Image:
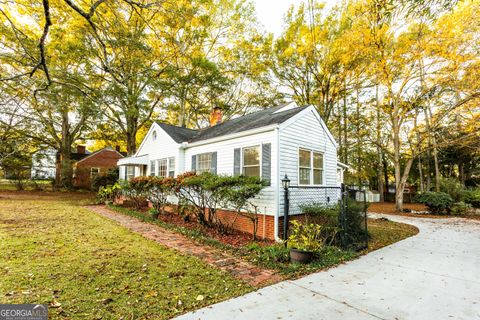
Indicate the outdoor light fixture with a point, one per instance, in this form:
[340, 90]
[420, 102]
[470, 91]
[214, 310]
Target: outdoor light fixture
[286, 182]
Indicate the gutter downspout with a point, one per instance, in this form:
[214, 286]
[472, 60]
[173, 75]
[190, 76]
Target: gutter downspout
[277, 191]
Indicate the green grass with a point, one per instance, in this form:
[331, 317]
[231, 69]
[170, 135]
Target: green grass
[86, 267]
[382, 233]
[385, 232]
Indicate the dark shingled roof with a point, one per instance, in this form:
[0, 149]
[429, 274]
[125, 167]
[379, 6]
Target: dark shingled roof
[179, 134]
[250, 121]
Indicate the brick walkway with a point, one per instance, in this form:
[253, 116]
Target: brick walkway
[247, 272]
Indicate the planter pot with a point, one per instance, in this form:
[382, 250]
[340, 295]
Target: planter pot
[301, 256]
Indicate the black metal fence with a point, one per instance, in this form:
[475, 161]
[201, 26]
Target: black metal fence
[351, 204]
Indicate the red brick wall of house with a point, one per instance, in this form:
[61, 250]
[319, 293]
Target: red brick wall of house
[244, 224]
[105, 159]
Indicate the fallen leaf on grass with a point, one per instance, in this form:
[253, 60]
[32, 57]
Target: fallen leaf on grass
[54, 304]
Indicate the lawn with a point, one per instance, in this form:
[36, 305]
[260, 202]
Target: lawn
[86, 267]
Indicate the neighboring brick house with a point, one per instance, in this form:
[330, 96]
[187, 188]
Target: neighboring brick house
[97, 163]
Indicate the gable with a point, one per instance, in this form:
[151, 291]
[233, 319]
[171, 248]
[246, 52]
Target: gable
[312, 113]
[155, 138]
[105, 158]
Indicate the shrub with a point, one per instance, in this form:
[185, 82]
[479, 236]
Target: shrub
[239, 194]
[437, 202]
[459, 208]
[107, 179]
[206, 192]
[199, 195]
[305, 237]
[452, 187]
[353, 227]
[269, 256]
[321, 213]
[472, 197]
[109, 193]
[153, 213]
[134, 191]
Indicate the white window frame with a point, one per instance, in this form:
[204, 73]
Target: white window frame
[127, 174]
[259, 146]
[91, 172]
[153, 168]
[171, 167]
[158, 170]
[312, 168]
[197, 160]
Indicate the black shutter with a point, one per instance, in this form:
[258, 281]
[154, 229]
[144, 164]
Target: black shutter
[236, 161]
[213, 164]
[266, 162]
[194, 162]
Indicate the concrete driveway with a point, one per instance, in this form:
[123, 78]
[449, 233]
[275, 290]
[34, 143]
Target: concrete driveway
[434, 275]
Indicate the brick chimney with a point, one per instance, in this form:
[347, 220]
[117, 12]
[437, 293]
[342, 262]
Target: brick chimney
[81, 149]
[216, 116]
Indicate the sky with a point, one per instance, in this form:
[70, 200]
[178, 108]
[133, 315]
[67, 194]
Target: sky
[271, 12]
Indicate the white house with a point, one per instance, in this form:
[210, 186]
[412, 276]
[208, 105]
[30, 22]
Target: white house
[271, 143]
[43, 164]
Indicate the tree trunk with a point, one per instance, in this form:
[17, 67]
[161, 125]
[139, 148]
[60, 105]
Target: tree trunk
[396, 156]
[385, 173]
[345, 124]
[400, 187]
[379, 149]
[132, 129]
[66, 170]
[358, 133]
[420, 171]
[435, 155]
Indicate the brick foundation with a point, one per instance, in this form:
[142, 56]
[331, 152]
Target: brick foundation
[265, 228]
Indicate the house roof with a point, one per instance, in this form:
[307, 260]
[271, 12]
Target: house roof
[255, 120]
[79, 156]
[179, 134]
[99, 151]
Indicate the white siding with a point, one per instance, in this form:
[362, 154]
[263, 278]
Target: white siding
[162, 147]
[266, 200]
[43, 164]
[307, 132]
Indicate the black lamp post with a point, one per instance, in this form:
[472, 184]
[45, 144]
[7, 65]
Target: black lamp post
[286, 205]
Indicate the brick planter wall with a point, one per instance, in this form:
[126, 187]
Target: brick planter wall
[265, 228]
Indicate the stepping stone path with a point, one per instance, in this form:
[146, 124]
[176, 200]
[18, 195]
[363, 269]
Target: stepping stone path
[243, 270]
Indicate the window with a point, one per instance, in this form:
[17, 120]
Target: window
[310, 167]
[317, 168]
[251, 161]
[152, 168]
[304, 165]
[130, 172]
[94, 172]
[154, 135]
[162, 167]
[171, 167]
[204, 162]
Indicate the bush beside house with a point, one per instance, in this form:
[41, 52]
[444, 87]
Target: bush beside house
[199, 196]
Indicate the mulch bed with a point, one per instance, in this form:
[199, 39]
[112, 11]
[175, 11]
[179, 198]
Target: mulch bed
[389, 208]
[234, 238]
